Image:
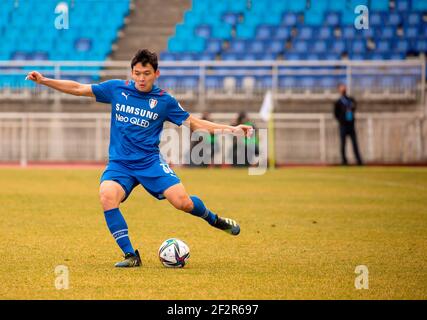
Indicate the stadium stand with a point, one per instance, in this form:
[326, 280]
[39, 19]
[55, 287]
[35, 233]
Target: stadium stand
[264, 32]
[26, 36]
[289, 29]
[299, 30]
[220, 56]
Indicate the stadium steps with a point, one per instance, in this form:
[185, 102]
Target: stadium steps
[149, 25]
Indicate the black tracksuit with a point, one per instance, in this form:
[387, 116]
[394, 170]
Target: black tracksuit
[344, 110]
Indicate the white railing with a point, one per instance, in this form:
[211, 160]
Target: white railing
[372, 80]
[299, 138]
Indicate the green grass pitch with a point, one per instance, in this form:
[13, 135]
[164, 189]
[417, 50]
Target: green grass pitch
[304, 232]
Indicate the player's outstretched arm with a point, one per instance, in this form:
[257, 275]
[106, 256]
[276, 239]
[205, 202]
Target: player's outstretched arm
[66, 86]
[199, 124]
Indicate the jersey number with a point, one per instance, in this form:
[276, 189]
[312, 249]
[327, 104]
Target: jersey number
[166, 168]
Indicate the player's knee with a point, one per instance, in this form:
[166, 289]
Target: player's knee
[108, 199]
[188, 205]
[185, 204]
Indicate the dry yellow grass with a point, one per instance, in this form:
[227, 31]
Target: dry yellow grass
[304, 231]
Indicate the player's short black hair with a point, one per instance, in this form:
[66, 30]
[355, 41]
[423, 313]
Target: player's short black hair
[145, 56]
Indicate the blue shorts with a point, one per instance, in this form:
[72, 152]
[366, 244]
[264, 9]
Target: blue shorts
[155, 178]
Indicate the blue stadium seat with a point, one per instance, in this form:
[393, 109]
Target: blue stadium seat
[275, 46]
[397, 56]
[286, 82]
[350, 33]
[296, 6]
[264, 32]
[338, 5]
[230, 18]
[307, 82]
[203, 31]
[196, 45]
[187, 56]
[419, 5]
[237, 46]
[402, 46]
[249, 56]
[313, 17]
[320, 47]
[168, 82]
[256, 46]
[348, 17]
[239, 6]
[358, 46]
[379, 5]
[383, 46]
[332, 56]
[167, 56]
[388, 32]
[305, 33]
[230, 56]
[214, 82]
[393, 19]
[332, 19]
[328, 82]
[183, 31]
[338, 46]
[189, 82]
[245, 31]
[411, 32]
[264, 82]
[214, 46]
[176, 45]
[267, 56]
[421, 46]
[315, 56]
[282, 33]
[191, 19]
[414, 19]
[376, 19]
[403, 5]
[295, 56]
[290, 19]
[222, 32]
[324, 33]
[387, 81]
[205, 56]
[407, 82]
[300, 46]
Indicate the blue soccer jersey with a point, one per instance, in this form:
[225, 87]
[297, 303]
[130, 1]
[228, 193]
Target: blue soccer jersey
[137, 119]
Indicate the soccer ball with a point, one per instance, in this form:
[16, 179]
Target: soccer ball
[174, 253]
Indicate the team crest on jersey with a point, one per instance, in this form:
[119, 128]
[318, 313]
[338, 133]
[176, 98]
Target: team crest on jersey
[152, 103]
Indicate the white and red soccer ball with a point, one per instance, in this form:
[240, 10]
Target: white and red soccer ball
[174, 253]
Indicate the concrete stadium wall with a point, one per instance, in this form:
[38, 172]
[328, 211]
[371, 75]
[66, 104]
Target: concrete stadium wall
[398, 138]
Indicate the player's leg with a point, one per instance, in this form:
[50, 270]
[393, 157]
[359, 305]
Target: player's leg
[353, 138]
[343, 137]
[179, 198]
[115, 187]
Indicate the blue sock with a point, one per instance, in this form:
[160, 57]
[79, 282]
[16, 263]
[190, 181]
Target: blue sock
[201, 211]
[119, 229]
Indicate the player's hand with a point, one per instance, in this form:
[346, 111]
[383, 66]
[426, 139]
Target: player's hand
[35, 76]
[243, 130]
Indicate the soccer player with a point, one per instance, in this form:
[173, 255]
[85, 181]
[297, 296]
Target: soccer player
[139, 109]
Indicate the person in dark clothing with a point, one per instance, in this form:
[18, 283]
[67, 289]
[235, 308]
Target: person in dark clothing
[344, 111]
[207, 142]
[247, 143]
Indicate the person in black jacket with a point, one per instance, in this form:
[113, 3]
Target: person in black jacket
[344, 110]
